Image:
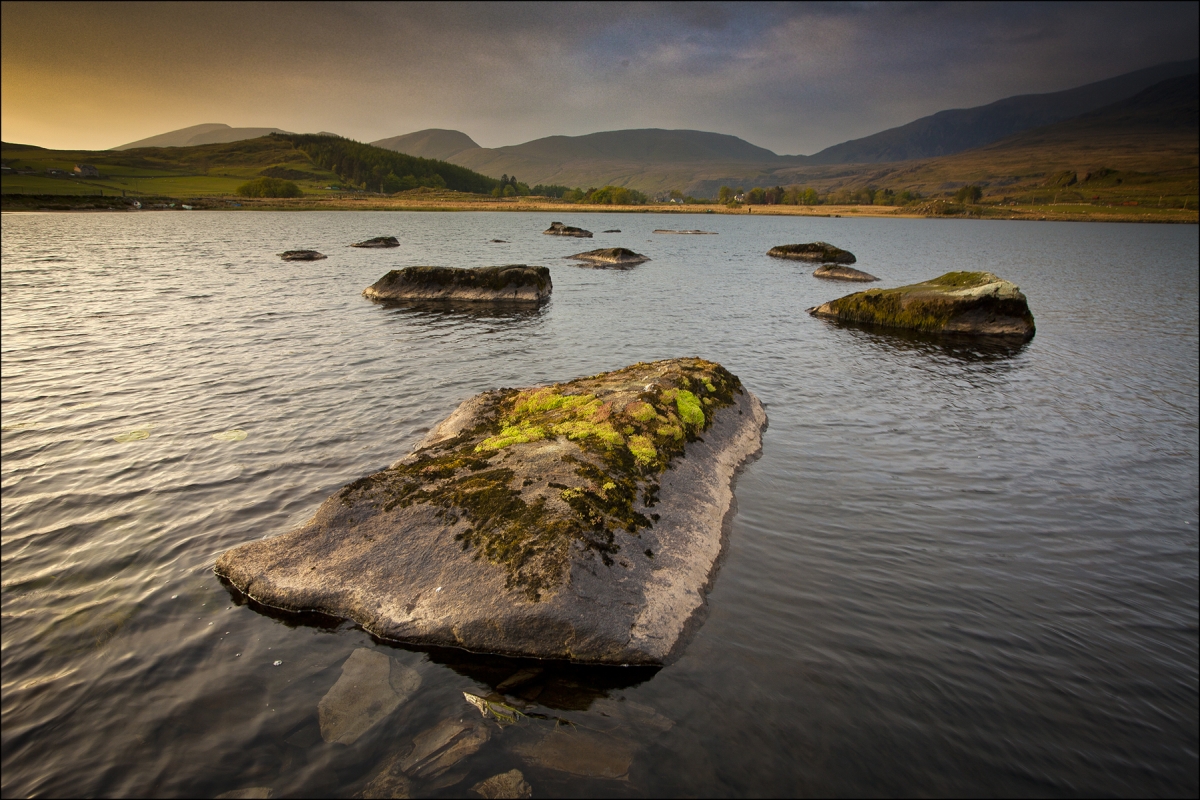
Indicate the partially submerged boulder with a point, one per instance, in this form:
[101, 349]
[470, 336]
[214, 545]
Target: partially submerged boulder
[838, 272]
[379, 241]
[821, 252]
[514, 283]
[302, 255]
[558, 229]
[973, 303]
[611, 257]
[578, 521]
[699, 233]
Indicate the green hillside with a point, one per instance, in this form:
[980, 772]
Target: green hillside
[318, 164]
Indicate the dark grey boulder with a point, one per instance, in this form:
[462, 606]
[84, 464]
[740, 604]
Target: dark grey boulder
[301, 255]
[558, 229]
[379, 241]
[613, 230]
[610, 257]
[838, 272]
[514, 283]
[580, 521]
[820, 252]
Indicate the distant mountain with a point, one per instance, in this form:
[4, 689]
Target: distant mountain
[430, 143]
[208, 133]
[957, 130]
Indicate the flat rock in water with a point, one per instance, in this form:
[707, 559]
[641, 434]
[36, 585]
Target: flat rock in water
[610, 230]
[246, 794]
[514, 283]
[379, 241]
[388, 782]
[442, 746]
[611, 257]
[838, 272]
[971, 303]
[702, 233]
[821, 252]
[509, 785]
[301, 255]
[371, 686]
[558, 229]
[582, 753]
[578, 521]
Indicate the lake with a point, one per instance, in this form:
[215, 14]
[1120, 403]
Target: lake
[956, 569]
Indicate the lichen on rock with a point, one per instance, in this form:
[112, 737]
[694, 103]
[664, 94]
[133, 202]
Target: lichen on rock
[971, 303]
[580, 520]
[513, 283]
[821, 252]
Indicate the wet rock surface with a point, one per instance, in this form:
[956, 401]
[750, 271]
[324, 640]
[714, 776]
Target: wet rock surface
[558, 229]
[439, 748]
[580, 521]
[370, 688]
[613, 230]
[379, 241]
[513, 283]
[302, 255]
[509, 785]
[960, 303]
[618, 257]
[579, 752]
[839, 272]
[821, 252]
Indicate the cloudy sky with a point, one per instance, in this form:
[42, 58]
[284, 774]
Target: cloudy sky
[794, 78]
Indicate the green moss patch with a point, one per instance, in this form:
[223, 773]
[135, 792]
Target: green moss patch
[549, 468]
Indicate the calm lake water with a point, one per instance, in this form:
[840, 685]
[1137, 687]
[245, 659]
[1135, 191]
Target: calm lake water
[955, 569]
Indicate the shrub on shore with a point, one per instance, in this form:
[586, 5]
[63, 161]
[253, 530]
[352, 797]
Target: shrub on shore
[269, 187]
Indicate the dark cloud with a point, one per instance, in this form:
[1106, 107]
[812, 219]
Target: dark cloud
[791, 77]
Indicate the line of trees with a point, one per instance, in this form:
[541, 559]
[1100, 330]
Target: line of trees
[808, 196]
[378, 170]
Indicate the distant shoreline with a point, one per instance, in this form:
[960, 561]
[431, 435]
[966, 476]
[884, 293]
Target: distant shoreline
[455, 201]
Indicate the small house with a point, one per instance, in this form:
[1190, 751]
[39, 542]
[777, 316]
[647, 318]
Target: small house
[86, 171]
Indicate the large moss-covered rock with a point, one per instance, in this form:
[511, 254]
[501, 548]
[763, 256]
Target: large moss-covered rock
[577, 521]
[821, 252]
[972, 303]
[839, 272]
[618, 257]
[514, 283]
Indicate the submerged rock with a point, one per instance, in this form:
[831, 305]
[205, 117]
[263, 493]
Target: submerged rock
[702, 233]
[509, 785]
[558, 229]
[371, 686]
[578, 521]
[611, 257]
[610, 230]
[441, 747]
[379, 241]
[822, 252]
[838, 272]
[302, 255]
[972, 303]
[582, 753]
[514, 283]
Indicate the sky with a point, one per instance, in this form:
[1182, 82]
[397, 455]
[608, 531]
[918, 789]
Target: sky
[794, 78]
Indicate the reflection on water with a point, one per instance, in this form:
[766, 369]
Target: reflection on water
[957, 568]
[453, 310]
[961, 347]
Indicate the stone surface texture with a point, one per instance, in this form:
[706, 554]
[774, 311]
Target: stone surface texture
[509, 785]
[821, 252]
[968, 303]
[838, 272]
[606, 257]
[372, 684]
[579, 521]
[302, 255]
[379, 241]
[514, 283]
[558, 229]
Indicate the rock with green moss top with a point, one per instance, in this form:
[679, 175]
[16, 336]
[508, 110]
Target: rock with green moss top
[558, 229]
[837, 272]
[820, 252]
[970, 303]
[578, 521]
[514, 283]
[618, 257]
